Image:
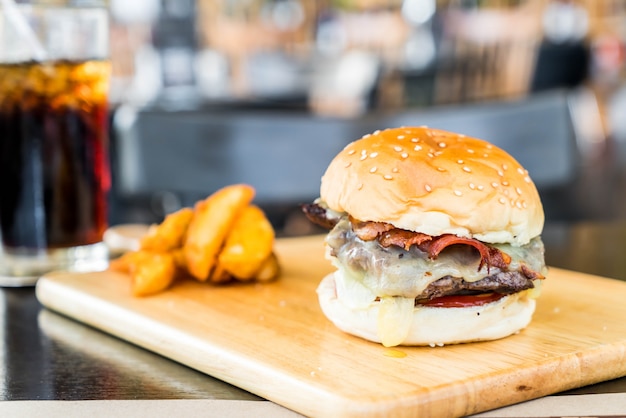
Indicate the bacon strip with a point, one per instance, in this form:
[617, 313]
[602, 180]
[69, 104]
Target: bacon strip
[403, 238]
[490, 256]
[531, 274]
[317, 214]
[388, 235]
[368, 231]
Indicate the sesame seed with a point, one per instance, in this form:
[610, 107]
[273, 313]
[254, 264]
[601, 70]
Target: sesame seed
[527, 179]
[520, 170]
[415, 140]
[512, 201]
[502, 200]
[518, 190]
[461, 135]
[480, 187]
[494, 184]
[367, 135]
[471, 151]
[388, 177]
[460, 161]
[397, 148]
[505, 183]
[467, 169]
[417, 148]
[373, 155]
[485, 155]
[441, 169]
[373, 169]
[431, 155]
[500, 173]
[489, 146]
[458, 193]
[505, 167]
[518, 204]
[364, 156]
[377, 131]
[524, 205]
[348, 164]
[472, 186]
[404, 155]
[428, 188]
[394, 170]
[351, 152]
[442, 145]
[400, 136]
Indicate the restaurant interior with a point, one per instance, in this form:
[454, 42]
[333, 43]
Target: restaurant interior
[207, 93]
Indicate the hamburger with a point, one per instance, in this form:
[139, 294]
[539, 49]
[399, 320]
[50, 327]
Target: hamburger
[435, 237]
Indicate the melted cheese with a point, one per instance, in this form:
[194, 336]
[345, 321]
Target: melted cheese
[395, 317]
[394, 271]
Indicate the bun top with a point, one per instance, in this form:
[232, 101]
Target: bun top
[435, 182]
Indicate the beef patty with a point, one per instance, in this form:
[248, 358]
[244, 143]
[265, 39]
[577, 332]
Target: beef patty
[504, 282]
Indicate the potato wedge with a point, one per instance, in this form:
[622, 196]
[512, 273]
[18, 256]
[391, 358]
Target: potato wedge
[270, 269]
[248, 244]
[219, 275]
[179, 259]
[125, 262]
[152, 272]
[169, 234]
[213, 219]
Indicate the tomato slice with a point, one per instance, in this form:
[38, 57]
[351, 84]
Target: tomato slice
[462, 301]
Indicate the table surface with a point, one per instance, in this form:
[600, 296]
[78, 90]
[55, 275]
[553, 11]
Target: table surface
[46, 356]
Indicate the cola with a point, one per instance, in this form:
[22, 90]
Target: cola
[54, 165]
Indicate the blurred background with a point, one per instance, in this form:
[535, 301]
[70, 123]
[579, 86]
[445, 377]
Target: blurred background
[211, 92]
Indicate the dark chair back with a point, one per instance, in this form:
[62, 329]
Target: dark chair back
[171, 159]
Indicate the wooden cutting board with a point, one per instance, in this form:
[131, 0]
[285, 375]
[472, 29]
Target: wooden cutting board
[272, 340]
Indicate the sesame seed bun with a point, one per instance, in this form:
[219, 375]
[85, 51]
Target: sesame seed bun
[435, 182]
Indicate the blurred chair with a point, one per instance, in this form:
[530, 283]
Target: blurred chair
[560, 65]
[166, 160]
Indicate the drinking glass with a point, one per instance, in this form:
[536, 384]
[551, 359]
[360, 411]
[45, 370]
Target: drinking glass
[54, 164]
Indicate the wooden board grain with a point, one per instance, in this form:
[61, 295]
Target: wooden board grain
[273, 340]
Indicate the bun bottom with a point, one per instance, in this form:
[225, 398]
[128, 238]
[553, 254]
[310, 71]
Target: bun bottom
[433, 325]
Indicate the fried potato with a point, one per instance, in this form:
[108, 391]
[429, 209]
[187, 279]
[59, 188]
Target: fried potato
[270, 269]
[169, 234]
[179, 259]
[151, 272]
[219, 275]
[248, 244]
[223, 238]
[125, 263]
[213, 219]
